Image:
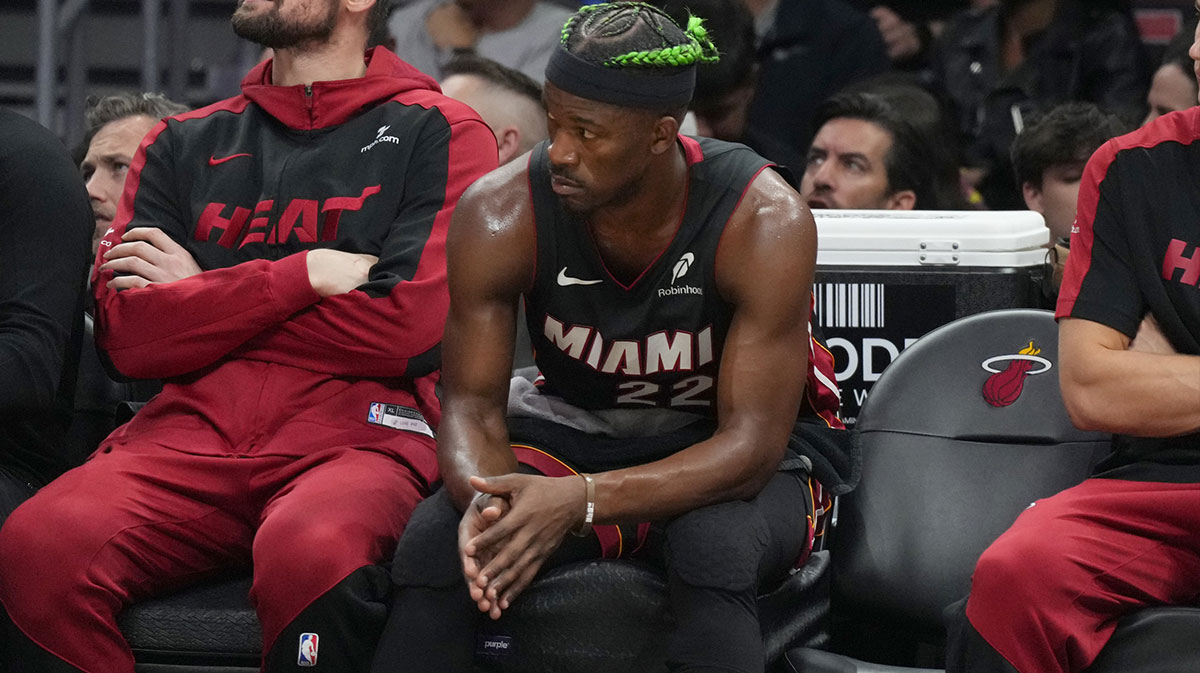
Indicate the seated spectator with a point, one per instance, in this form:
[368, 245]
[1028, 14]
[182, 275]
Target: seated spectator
[1048, 159]
[999, 66]
[1174, 84]
[867, 155]
[509, 102]
[807, 51]
[115, 127]
[278, 258]
[519, 34]
[45, 234]
[920, 108]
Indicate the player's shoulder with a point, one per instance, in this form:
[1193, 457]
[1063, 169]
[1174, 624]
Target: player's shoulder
[502, 193]
[771, 204]
[771, 230]
[1172, 130]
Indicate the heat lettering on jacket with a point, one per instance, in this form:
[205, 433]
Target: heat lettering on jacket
[309, 220]
[663, 351]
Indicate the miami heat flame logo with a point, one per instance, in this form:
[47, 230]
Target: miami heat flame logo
[1004, 386]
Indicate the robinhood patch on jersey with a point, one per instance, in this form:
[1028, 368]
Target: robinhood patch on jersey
[398, 417]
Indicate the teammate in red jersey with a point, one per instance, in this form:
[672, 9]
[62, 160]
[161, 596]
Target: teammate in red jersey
[279, 259]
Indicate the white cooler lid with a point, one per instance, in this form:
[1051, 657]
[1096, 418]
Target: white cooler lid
[930, 238]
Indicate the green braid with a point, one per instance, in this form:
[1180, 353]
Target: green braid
[566, 31]
[698, 48]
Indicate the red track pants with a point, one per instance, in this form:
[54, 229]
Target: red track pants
[250, 462]
[1047, 594]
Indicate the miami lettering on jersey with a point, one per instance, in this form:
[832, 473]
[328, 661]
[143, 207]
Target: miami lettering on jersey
[677, 351]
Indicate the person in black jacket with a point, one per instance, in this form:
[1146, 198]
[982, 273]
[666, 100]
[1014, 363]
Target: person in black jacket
[46, 229]
[999, 65]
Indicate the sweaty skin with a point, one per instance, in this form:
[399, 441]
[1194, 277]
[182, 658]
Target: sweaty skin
[625, 172]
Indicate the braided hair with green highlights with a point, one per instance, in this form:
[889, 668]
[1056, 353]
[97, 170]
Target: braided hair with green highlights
[636, 35]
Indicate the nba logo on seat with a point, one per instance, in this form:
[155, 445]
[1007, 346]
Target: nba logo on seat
[308, 650]
[375, 415]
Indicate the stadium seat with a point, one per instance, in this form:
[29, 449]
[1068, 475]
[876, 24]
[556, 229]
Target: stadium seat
[592, 617]
[611, 617]
[959, 435]
[207, 628]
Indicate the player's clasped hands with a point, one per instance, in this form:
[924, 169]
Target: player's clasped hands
[505, 538]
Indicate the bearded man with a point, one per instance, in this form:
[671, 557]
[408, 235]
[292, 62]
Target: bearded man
[278, 259]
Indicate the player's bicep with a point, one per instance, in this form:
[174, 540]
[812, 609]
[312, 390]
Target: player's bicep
[1082, 348]
[489, 262]
[766, 265]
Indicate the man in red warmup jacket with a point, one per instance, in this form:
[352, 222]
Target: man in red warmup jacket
[279, 259]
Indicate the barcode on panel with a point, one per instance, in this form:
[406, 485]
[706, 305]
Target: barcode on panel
[849, 304]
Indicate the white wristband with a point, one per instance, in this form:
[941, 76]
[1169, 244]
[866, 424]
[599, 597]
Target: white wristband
[586, 526]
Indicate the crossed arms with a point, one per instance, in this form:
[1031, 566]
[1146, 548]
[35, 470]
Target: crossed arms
[164, 316]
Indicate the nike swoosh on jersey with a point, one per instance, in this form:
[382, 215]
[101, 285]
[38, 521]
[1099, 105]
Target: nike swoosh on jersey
[213, 161]
[565, 280]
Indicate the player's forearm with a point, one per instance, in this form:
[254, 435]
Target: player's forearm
[176, 328]
[729, 466]
[356, 335]
[1130, 392]
[471, 442]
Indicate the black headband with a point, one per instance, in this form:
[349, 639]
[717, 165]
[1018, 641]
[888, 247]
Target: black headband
[630, 87]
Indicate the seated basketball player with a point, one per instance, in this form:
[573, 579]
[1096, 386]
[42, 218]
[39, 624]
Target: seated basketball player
[667, 288]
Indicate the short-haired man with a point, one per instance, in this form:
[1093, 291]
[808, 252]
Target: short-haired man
[508, 101]
[279, 259]
[1048, 159]
[1048, 594]
[115, 126]
[667, 288]
[867, 156]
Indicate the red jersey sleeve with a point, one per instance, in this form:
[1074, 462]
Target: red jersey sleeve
[171, 329]
[1099, 283]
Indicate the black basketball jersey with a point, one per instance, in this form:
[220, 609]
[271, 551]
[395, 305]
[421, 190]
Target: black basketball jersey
[656, 342]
